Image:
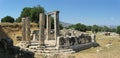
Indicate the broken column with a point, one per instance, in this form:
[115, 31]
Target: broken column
[28, 30]
[58, 43]
[67, 41]
[34, 38]
[41, 28]
[23, 30]
[93, 36]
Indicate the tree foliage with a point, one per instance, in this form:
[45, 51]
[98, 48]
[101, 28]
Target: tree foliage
[118, 29]
[33, 13]
[88, 28]
[105, 28]
[7, 19]
[61, 26]
[18, 19]
[94, 28]
[79, 26]
[26, 12]
[52, 24]
[113, 29]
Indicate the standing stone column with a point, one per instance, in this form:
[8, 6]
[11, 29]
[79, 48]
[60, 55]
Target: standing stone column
[28, 29]
[34, 38]
[93, 36]
[23, 30]
[56, 24]
[76, 40]
[41, 28]
[48, 27]
[58, 42]
[67, 42]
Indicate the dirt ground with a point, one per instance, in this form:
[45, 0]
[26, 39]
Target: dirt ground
[109, 48]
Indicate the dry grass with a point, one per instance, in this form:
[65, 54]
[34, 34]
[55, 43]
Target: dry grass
[104, 52]
[14, 29]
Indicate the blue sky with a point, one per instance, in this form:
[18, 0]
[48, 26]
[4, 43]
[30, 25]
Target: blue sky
[89, 12]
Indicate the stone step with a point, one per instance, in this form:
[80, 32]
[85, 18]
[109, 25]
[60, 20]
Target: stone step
[52, 51]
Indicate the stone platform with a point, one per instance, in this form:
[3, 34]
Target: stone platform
[51, 41]
[37, 49]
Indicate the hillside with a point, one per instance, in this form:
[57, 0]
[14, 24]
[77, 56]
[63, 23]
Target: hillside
[65, 24]
[12, 30]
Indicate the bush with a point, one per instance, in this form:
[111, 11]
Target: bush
[8, 19]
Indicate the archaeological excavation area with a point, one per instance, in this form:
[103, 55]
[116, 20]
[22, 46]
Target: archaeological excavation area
[53, 41]
[46, 42]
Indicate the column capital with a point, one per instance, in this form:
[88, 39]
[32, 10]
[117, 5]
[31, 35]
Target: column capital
[56, 12]
[53, 12]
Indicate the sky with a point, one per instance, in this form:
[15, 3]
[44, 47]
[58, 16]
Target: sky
[88, 12]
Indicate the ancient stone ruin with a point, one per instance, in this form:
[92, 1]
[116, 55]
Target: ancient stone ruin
[54, 41]
[8, 50]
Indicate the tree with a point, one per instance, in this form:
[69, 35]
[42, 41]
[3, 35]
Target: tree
[7, 19]
[26, 12]
[33, 13]
[61, 26]
[18, 19]
[95, 28]
[89, 28]
[78, 26]
[113, 30]
[52, 24]
[71, 27]
[106, 29]
[118, 30]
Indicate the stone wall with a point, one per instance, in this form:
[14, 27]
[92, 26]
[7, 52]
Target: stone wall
[74, 40]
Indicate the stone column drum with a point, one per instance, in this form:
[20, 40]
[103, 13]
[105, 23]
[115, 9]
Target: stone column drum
[28, 30]
[23, 30]
[56, 24]
[48, 27]
[41, 28]
[93, 36]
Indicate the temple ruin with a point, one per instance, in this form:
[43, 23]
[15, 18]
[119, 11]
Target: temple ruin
[53, 40]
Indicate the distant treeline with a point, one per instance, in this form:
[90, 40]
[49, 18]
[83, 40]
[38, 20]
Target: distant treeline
[94, 28]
